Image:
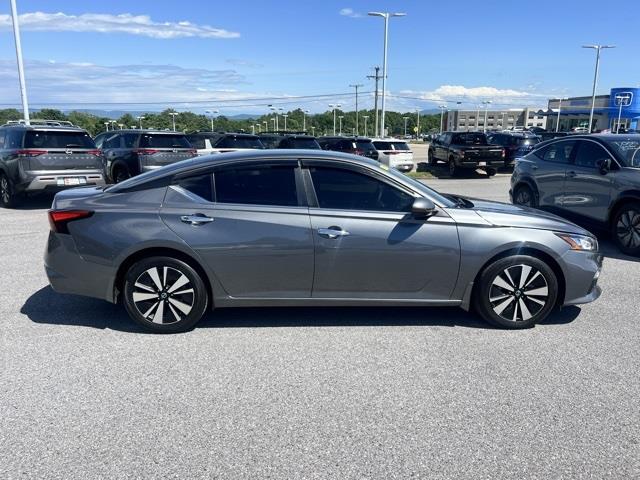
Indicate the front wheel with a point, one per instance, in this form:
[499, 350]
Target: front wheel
[516, 292]
[165, 295]
[626, 228]
[453, 169]
[523, 195]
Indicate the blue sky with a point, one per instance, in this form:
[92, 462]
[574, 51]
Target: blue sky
[226, 54]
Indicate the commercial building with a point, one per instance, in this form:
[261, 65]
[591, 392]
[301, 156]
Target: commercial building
[569, 113]
[473, 120]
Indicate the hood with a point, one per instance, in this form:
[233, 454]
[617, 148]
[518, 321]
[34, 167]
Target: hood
[508, 215]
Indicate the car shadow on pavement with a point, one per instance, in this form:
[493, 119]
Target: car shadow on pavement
[35, 202]
[610, 250]
[441, 171]
[48, 307]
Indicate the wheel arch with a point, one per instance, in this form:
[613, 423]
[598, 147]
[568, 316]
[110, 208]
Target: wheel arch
[159, 252]
[624, 198]
[533, 252]
[529, 183]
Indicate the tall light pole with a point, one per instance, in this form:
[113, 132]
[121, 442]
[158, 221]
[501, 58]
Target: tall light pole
[212, 114]
[486, 104]
[285, 121]
[357, 86]
[266, 125]
[106, 126]
[313, 130]
[23, 84]
[333, 107]
[273, 120]
[140, 118]
[340, 117]
[417, 123]
[113, 124]
[478, 117]
[173, 119]
[597, 48]
[365, 118]
[259, 127]
[442, 109]
[559, 109]
[406, 119]
[386, 16]
[304, 120]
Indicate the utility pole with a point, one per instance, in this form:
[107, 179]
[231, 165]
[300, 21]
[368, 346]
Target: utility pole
[377, 78]
[406, 119]
[356, 86]
[23, 85]
[417, 123]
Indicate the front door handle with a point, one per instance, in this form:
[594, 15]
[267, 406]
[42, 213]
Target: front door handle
[332, 232]
[196, 219]
[571, 174]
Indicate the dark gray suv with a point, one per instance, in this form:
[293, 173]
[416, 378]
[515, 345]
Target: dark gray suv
[46, 156]
[592, 179]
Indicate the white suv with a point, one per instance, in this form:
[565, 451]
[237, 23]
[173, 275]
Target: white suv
[394, 153]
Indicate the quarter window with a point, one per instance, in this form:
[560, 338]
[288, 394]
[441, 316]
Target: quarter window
[559, 152]
[263, 185]
[342, 189]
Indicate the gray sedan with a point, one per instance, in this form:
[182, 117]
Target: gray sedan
[310, 228]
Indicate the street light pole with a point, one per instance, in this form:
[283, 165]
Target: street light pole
[23, 84]
[333, 107]
[559, 109]
[304, 120]
[365, 118]
[340, 118]
[106, 126]
[386, 16]
[597, 48]
[486, 109]
[405, 126]
[173, 119]
[417, 123]
[442, 109]
[357, 86]
[285, 121]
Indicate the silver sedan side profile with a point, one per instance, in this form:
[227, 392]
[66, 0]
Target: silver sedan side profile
[310, 228]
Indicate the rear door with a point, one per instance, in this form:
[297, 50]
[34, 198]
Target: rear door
[253, 232]
[550, 167]
[368, 245]
[587, 188]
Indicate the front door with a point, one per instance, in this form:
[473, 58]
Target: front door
[253, 233]
[550, 170]
[588, 187]
[368, 244]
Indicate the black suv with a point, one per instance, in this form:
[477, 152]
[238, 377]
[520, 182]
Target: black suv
[46, 156]
[289, 140]
[515, 144]
[131, 152]
[355, 145]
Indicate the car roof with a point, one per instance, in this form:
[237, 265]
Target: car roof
[343, 137]
[59, 128]
[145, 130]
[389, 140]
[240, 156]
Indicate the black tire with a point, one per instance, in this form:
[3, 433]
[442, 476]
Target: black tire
[120, 174]
[501, 301]
[8, 197]
[174, 289]
[491, 172]
[453, 168]
[625, 228]
[430, 159]
[523, 195]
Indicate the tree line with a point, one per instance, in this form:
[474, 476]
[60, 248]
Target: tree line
[317, 124]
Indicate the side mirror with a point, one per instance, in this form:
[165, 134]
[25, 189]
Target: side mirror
[423, 207]
[604, 166]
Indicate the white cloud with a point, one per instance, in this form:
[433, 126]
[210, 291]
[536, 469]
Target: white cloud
[106, 23]
[349, 12]
[467, 95]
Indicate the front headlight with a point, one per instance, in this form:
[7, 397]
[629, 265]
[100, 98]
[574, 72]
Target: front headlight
[580, 242]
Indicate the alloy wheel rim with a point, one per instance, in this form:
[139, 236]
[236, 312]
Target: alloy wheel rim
[628, 229]
[4, 189]
[523, 198]
[518, 293]
[163, 295]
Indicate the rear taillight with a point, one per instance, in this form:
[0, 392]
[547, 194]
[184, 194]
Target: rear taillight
[60, 219]
[97, 153]
[358, 152]
[146, 151]
[30, 152]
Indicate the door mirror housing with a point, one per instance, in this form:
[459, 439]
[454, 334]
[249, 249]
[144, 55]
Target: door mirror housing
[423, 207]
[604, 166]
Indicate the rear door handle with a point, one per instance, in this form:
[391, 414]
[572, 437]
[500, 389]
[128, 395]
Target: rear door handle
[196, 219]
[332, 232]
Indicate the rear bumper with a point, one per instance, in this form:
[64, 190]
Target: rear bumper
[403, 167]
[478, 163]
[40, 180]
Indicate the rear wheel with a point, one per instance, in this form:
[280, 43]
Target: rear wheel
[523, 195]
[516, 292]
[120, 174]
[626, 228]
[8, 197]
[491, 172]
[453, 169]
[165, 295]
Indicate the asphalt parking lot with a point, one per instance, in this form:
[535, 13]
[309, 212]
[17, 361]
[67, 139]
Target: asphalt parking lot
[313, 392]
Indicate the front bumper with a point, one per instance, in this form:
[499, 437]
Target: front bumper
[582, 271]
[41, 180]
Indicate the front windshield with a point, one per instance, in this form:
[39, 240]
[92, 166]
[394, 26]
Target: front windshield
[421, 187]
[627, 150]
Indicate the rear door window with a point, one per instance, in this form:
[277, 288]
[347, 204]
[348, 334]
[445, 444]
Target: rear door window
[161, 140]
[240, 142]
[257, 185]
[559, 152]
[129, 140]
[2, 135]
[589, 154]
[57, 139]
[111, 141]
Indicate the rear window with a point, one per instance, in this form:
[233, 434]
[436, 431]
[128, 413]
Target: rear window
[309, 143]
[270, 142]
[53, 139]
[240, 142]
[196, 141]
[364, 145]
[522, 141]
[164, 141]
[470, 139]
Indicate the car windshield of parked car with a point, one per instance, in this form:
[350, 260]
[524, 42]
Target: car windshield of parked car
[628, 150]
[240, 142]
[307, 143]
[470, 139]
[161, 140]
[53, 139]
